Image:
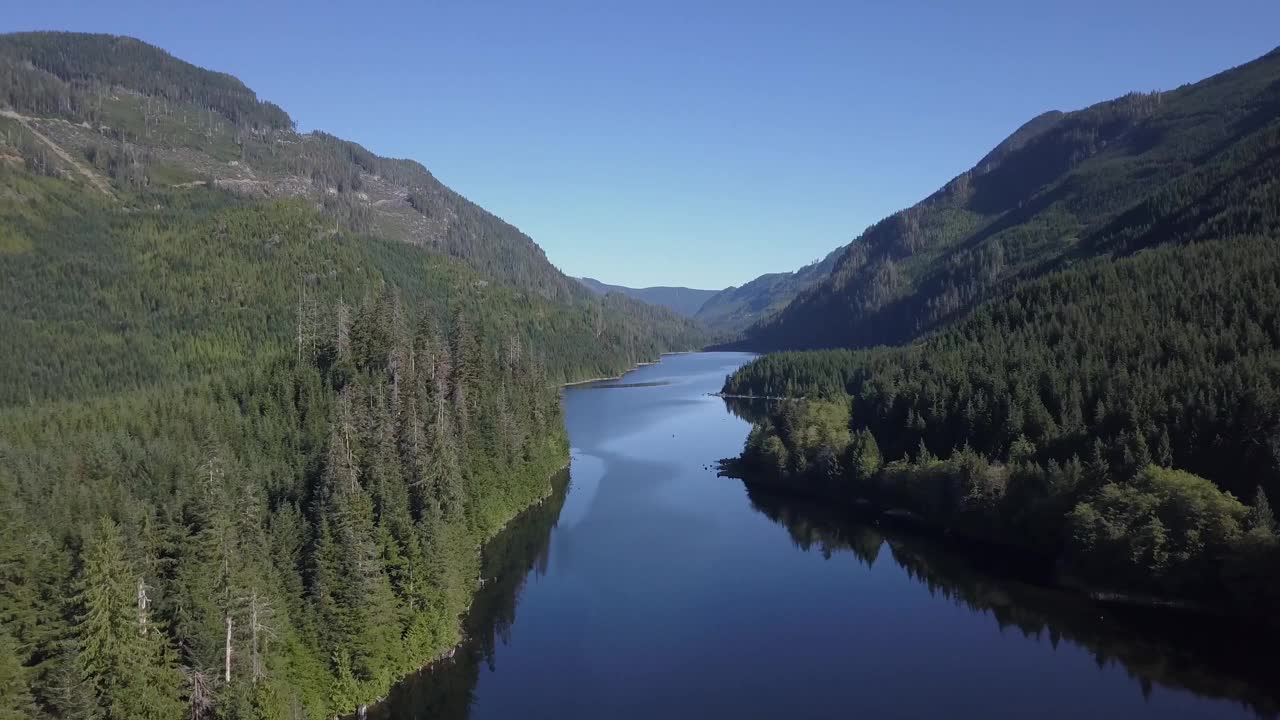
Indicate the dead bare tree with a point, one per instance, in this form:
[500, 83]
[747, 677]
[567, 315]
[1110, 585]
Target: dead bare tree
[302, 318]
[259, 631]
[143, 603]
[598, 319]
[200, 695]
[344, 330]
[226, 678]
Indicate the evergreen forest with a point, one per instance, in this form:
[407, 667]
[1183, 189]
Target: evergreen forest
[263, 395]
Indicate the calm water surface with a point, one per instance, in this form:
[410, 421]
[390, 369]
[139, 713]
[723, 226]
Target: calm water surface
[648, 587]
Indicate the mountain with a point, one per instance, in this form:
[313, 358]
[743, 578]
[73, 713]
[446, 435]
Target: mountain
[1071, 352]
[262, 394]
[734, 309]
[117, 118]
[1063, 188]
[730, 311]
[115, 109]
[681, 300]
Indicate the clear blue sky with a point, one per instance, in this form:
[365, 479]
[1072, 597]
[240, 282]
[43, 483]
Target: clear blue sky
[691, 143]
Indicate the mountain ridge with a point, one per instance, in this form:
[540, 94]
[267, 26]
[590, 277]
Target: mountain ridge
[681, 300]
[147, 117]
[736, 308]
[1047, 194]
[1070, 351]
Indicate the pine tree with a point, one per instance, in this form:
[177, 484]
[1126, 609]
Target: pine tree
[864, 456]
[16, 702]
[123, 656]
[211, 564]
[1261, 519]
[444, 438]
[1098, 468]
[33, 569]
[1164, 449]
[106, 625]
[465, 348]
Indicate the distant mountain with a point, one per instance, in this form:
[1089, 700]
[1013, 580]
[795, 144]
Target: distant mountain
[1108, 180]
[734, 309]
[684, 301]
[730, 311]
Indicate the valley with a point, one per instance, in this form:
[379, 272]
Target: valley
[290, 429]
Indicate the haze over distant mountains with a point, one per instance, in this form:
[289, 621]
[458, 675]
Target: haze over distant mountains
[683, 300]
[735, 308]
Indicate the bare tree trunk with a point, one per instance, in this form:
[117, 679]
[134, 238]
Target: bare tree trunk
[227, 672]
[302, 294]
[201, 700]
[255, 660]
[344, 326]
[143, 603]
[255, 627]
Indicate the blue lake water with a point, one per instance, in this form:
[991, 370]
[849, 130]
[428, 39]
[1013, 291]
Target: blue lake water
[648, 587]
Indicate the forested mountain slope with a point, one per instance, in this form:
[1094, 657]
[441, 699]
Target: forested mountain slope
[1114, 419]
[734, 309]
[130, 112]
[1064, 187]
[1099, 385]
[255, 416]
[100, 295]
[681, 300]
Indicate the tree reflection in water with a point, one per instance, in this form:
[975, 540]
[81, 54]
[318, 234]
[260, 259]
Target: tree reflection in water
[1170, 648]
[445, 690]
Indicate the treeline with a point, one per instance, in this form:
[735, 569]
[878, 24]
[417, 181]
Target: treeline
[1048, 420]
[282, 544]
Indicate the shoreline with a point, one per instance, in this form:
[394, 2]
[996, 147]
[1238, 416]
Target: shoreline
[633, 368]
[452, 650]
[972, 550]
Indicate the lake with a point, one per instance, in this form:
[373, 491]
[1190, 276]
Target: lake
[648, 587]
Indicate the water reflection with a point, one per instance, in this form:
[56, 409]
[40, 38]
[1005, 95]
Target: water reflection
[753, 410]
[613, 385]
[1166, 648]
[665, 591]
[446, 690]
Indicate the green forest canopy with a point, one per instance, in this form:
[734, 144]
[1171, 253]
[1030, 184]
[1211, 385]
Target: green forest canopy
[1103, 389]
[250, 445]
